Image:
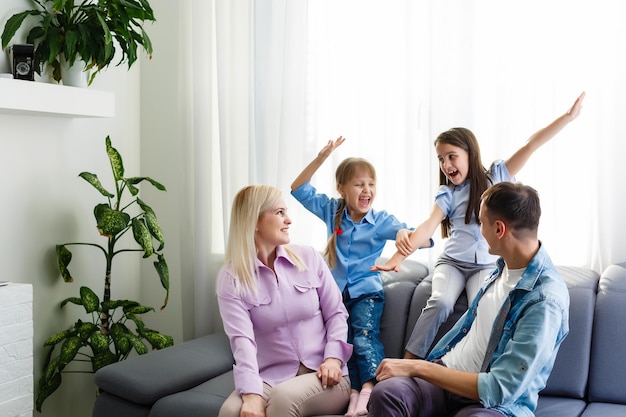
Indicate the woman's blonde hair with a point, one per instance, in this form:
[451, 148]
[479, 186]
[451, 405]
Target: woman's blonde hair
[344, 173]
[248, 205]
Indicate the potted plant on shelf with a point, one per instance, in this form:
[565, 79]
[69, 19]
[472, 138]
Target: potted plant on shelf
[106, 335]
[73, 31]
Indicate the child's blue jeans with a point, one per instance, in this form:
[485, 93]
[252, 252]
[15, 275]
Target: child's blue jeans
[364, 335]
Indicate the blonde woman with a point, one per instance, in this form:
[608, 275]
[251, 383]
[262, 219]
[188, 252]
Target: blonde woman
[283, 314]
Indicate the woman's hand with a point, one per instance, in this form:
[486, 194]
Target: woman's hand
[330, 372]
[253, 406]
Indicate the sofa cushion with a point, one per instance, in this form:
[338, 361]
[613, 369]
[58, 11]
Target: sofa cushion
[571, 368]
[156, 374]
[605, 410]
[559, 407]
[203, 400]
[608, 365]
[399, 287]
[108, 405]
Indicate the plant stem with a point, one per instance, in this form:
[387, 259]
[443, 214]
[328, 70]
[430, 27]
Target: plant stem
[104, 326]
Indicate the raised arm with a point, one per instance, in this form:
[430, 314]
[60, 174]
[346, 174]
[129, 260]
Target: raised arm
[420, 238]
[517, 161]
[309, 170]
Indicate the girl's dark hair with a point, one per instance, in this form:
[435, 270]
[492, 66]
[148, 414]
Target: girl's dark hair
[477, 174]
[344, 173]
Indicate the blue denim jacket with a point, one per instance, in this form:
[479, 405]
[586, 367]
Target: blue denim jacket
[536, 324]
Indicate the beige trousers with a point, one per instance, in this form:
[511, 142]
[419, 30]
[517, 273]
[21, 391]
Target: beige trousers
[301, 396]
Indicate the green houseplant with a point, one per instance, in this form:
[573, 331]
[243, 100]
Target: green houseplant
[84, 30]
[107, 335]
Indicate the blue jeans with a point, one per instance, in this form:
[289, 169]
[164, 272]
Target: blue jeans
[364, 335]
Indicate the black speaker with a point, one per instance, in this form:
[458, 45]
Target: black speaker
[22, 62]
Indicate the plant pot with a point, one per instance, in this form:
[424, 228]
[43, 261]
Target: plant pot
[46, 76]
[75, 75]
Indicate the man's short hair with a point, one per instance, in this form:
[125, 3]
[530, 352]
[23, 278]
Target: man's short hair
[514, 203]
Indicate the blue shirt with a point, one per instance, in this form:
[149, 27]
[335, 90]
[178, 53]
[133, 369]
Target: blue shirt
[358, 245]
[535, 326]
[465, 242]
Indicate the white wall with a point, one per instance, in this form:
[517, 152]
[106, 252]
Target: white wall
[44, 202]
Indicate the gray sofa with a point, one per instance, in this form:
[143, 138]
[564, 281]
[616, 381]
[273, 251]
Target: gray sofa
[193, 378]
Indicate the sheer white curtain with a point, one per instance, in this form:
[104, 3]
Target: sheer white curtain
[277, 79]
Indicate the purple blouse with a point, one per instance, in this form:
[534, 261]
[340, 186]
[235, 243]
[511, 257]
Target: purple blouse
[294, 317]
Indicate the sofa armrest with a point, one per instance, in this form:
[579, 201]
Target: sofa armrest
[146, 378]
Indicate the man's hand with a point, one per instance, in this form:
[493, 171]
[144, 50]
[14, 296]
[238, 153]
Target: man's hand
[397, 367]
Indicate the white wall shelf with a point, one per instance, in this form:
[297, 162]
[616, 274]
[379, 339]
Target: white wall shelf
[43, 99]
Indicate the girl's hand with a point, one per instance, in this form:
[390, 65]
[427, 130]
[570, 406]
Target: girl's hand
[330, 147]
[576, 107]
[253, 406]
[390, 265]
[330, 372]
[403, 242]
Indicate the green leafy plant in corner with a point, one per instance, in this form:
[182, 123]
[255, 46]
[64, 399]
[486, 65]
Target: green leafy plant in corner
[84, 29]
[108, 336]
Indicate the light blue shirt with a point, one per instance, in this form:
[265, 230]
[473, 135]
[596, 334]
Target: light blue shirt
[534, 328]
[465, 242]
[358, 245]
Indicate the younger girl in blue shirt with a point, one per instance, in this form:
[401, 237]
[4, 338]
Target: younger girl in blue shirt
[465, 261]
[357, 236]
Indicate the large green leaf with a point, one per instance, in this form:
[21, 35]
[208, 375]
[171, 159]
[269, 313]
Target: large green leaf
[141, 327]
[138, 310]
[119, 334]
[164, 274]
[56, 338]
[116, 160]
[142, 237]
[102, 359]
[93, 180]
[137, 180]
[113, 304]
[47, 385]
[133, 190]
[72, 38]
[64, 257]
[73, 300]
[91, 302]
[13, 24]
[110, 222]
[152, 223]
[86, 330]
[158, 340]
[99, 343]
[69, 349]
[137, 344]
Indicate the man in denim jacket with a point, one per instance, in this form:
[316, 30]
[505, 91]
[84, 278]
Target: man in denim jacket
[500, 353]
